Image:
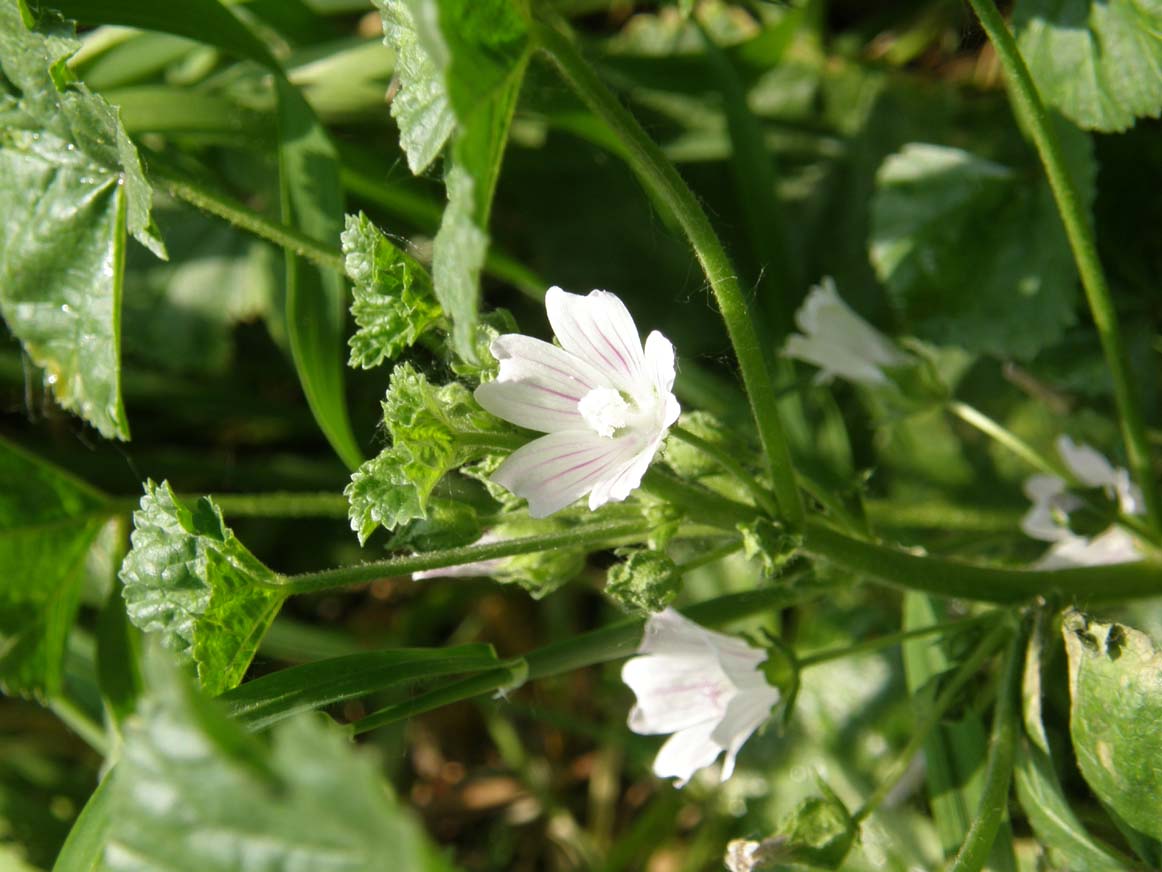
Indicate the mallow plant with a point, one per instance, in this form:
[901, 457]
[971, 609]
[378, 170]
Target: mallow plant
[811, 521]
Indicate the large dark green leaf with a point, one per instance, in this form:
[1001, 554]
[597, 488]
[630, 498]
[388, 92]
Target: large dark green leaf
[71, 185]
[973, 252]
[188, 579]
[48, 520]
[1115, 682]
[194, 791]
[1098, 61]
[288, 692]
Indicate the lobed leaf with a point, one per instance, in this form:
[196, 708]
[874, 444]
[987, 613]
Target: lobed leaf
[973, 252]
[71, 186]
[427, 425]
[1099, 63]
[228, 802]
[189, 580]
[394, 301]
[48, 521]
[1115, 685]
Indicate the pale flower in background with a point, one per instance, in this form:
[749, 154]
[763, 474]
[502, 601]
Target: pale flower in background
[705, 688]
[840, 342]
[605, 402]
[1048, 517]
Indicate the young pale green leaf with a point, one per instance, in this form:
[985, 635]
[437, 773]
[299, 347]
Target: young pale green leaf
[972, 252]
[420, 105]
[272, 698]
[1115, 684]
[1097, 62]
[188, 579]
[316, 299]
[427, 425]
[71, 185]
[394, 302]
[538, 572]
[48, 521]
[85, 845]
[229, 802]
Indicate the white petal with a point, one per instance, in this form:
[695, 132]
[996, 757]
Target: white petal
[1087, 463]
[675, 692]
[659, 353]
[1130, 500]
[744, 715]
[599, 329]
[686, 752]
[558, 469]
[671, 633]
[1042, 488]
[529, 404]
[523, 358]
[1114, 545]
[626, 477]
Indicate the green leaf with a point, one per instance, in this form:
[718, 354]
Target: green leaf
[48, 521]
[1099, 63]
[71, 185]
[645, 581]
[272, 698]
[460, 64]
[538, 572]
[394, 302]
[118, 656]
[972, 252]
[231, 803]
[820, 831]
[85, 845]
[420, 105]
[770, 545]
[188, 579]
[316, 299]
[1115, 683]
[427, 425]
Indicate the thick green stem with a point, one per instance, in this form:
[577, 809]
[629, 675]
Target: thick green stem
[967, 669]
[588, 534]
[994, 799]
[177, 184]
[664, 182]
[700, 504]
[1079, 228]
[951, 578]
[599, 646]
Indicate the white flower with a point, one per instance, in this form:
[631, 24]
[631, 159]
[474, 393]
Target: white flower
[1048, 517]
[604, 401]
[839, 341]
[704, 687]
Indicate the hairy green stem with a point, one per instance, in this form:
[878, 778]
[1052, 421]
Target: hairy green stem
[602, 532]
[178, 185]
[1079, 228]
[663, 180]
[952, 578]
[967, 669]
[724, 459]
[612, 642]
[890, 641]
[275, 504]
[994, 798]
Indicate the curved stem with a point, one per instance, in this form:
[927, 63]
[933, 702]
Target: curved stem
[891, 640]
[723, 458]
[1079, 228]
[967, 669]
[663, 180]
[587, 534]
[994, 798]
[953, 578]
[699, 503]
